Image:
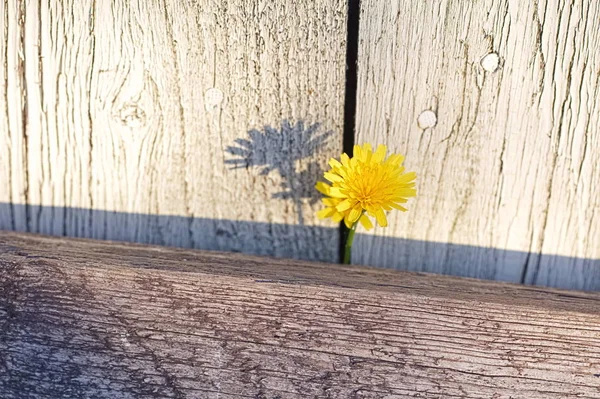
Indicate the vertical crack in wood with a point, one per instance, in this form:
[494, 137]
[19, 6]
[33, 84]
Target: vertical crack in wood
[7, 114]
[538, 50]
[183, 132]
[349, 134]
[555, 150]
[23, 83]
[92, 32]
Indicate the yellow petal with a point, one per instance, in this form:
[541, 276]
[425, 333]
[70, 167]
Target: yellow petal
[337, 217]
[336, 193]
[357, 152]
[371, 210]
[330, 201]
[381, 218]
[332, 177]
[408, 177]
[355, 213]
[347, 222]
[334, 163]
[344, 205]
[380, 153]
[325, 213]
[367, 153]
[399, 207]
[395, 159]
[345, 160]
[323, 188]
[405, 192]
[366, 222]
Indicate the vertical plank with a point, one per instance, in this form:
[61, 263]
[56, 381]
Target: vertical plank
[190, 123]
[274, 72]
[508, 171]
[13, 142]
[59, 53]
[572, 224]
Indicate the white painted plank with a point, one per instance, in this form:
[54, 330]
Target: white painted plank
[132, 107]
[13, 142]
[573, 219]
[510, 169]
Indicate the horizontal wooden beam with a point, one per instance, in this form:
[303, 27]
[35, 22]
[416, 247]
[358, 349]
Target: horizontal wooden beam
[110, 320]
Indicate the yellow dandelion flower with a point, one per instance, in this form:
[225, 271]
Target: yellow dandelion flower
[366, 185]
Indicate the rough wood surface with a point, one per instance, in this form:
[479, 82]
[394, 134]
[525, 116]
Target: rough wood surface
[508, 178]
[194, 123]
[13, 143]
[105, 320]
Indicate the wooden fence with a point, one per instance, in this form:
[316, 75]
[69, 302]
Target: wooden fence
[205, 124]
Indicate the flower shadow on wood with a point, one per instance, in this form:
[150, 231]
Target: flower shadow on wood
[282, 150]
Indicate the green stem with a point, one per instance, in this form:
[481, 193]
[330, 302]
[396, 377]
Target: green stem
[348, 246]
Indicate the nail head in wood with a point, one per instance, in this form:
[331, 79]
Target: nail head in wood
[213, 98]
[427, 119]
[490, 62]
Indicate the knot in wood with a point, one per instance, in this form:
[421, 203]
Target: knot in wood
[132, 115]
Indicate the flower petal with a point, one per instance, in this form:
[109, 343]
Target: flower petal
[395, 159]
[334, 163]
[399, 207]
[323, 187]
[366, 222]
[367, 153]
[381, 218]
[405, 192]
[337, 217]
[355, 213]
[325, 213]
[330, 201]
[345, 160]
[345, 205]
[347, 222]
[335, 192]
[407, 177]
[380, 153]
[357, 152]
[332, 177]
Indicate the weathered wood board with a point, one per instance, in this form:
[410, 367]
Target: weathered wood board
[190, 123]
[509, 180]
[13, 143]
[105, 320]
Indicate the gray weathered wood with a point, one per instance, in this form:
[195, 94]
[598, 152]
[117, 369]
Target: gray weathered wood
[83, 319]
[510, 171]
[120, 118]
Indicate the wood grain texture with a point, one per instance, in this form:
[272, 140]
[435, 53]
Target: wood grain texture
[131, 111]
[508, 178]
[106, 320]
[13, 142]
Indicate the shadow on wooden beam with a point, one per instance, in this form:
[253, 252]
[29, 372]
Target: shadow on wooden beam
[294, 242]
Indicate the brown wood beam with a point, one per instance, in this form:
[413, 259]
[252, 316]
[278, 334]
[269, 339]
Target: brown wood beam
[94, 319]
